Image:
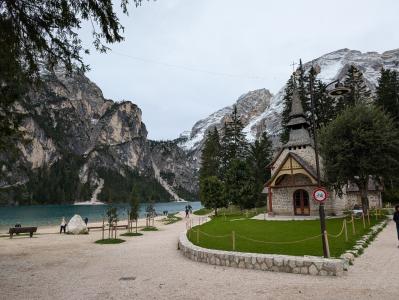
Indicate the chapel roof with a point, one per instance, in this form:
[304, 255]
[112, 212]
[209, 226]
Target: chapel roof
[306, 166]
[298, 135]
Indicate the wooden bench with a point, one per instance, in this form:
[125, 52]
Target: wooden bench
[113, 226]
[94, 227]
[120, 226]
[18, 230]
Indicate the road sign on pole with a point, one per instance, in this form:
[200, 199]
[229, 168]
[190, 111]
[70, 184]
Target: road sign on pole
[320, 194]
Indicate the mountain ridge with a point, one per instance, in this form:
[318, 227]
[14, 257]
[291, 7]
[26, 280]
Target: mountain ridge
[333, 65]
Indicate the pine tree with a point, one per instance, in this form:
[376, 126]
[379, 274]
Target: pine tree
[260, 155]
[388, 93]
[239, 185]
[211, 193]
[234, 144]
[303, 88]
[211, 155]
[388, 100]
[285, 117]
[359, 92]
[324, 105]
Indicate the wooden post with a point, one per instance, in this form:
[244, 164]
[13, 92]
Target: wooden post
[364, 221]
[103, 228]
[327, 245]
[116, 228]
[233, 236]
[353, 226]
[197, 236]
[346, 231]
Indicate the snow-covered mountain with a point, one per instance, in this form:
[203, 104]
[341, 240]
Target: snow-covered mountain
[261, 111]
[248, 105]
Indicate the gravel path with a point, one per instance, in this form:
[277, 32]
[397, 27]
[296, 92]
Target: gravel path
[54, 266]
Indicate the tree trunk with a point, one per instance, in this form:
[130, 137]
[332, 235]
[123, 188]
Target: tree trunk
[363, 189]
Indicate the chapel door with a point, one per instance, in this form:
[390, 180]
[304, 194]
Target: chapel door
[301, 203]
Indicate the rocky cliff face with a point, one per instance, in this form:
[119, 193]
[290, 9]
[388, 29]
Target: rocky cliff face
[249, 106]
[263, 110]
[67, 124]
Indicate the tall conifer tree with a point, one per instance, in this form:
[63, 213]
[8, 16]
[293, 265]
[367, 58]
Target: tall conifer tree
[359, 91]
[211, 155]
[260, 155]
[234, 144]
[388, 93]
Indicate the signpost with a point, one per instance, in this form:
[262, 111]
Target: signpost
[320, 195]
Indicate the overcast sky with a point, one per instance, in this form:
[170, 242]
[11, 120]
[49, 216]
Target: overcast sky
[184, 59]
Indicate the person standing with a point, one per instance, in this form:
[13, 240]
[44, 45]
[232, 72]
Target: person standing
[187, 212]
[396, 219]
[86, 220]
[63, 225]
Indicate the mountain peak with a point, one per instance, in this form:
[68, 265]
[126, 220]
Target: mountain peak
[261, 111]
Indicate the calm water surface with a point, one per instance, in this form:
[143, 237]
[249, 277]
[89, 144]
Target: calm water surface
[40, 215]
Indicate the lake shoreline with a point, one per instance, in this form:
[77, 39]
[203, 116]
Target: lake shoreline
[51, 215]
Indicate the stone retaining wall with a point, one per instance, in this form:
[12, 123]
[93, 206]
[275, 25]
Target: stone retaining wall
[266, 262]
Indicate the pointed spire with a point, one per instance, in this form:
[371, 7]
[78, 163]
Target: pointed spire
[296, 104]
[299, 135]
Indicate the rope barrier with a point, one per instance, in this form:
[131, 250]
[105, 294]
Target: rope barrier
[214, 236]
[234, 236]
[279, 243]
[339, 234]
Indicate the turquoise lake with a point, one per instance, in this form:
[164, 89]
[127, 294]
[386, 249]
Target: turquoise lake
[43, 215]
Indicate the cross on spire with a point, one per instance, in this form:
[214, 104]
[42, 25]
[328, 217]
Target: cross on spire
[293, 66]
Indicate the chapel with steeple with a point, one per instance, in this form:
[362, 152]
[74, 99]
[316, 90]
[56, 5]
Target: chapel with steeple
[294, 178]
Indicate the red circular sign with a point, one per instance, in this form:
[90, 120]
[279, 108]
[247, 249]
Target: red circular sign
[320, 194]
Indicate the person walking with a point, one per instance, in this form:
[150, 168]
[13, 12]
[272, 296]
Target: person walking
[187, 212]
[63, 225]
[396, 219]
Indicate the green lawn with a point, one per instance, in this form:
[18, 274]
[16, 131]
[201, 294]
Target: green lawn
[231, 210]
[202, 211]
[275, 231]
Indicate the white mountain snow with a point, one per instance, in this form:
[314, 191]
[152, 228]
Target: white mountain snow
[261, 111]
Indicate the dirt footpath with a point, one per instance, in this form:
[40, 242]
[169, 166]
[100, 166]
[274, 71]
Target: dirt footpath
[53, 266]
